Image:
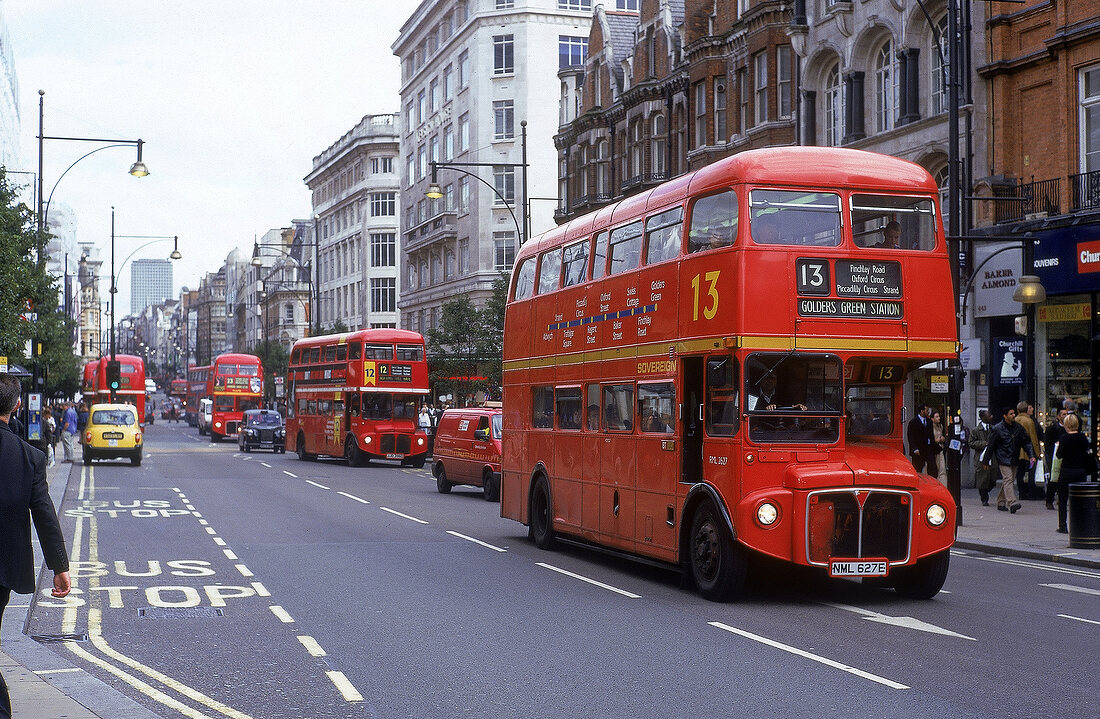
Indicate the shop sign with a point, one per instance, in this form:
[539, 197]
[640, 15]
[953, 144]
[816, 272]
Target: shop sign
[996, 281]
[1008, 361]
[940, 383]
[1065, 313]
[1067, 259]
[970, 355]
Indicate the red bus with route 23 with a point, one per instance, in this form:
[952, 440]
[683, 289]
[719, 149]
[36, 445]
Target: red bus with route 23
[357, 396]
[235, 383]
[715, 367]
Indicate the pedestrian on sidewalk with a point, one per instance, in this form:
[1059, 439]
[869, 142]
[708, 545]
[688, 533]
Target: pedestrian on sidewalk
[1007, 440]
[1054, 432]
[24, 496]
[983, 471]
[49, 424]
[69, 431]
[939, 448]
[1025, 468]
[1078, 464]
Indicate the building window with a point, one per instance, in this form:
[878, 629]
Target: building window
[410, 169]
[464, 194]
[505, 250]
[421, 162]
[574, 4]
[463, 69]
[463, 256]
[421, 106]
[464, 133]
[448, 142]
[381, 165]
[572, 51]
[626, 5]
[433, 144]
[383, 249]
[1090, 119]
[504, 113]
[700, 114]
[720, 110]
[760, 87]
[637, 149]
[504, 180]
[743, 99]
[939, 68]
[383, 204]
[603, 168]
[657, 141]
[383, 295]
[886, 87]
[505, 4]
[503, 55]
[433, 93]
[783, 78]
[834, 108]
[448, 82]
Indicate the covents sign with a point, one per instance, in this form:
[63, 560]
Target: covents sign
[1088, 257]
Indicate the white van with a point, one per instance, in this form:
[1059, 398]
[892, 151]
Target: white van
[150, 386]
[205, 406]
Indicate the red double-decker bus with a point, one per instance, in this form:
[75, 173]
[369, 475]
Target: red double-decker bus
[715, 367]
[197, 379]
[235, 383]
[357, 396]
[90, 383]
[131, 379]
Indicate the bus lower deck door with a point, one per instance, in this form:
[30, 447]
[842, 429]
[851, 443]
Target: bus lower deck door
[691, 425]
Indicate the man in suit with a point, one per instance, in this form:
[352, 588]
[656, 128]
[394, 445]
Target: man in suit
[921, 441]
[768, 399]
[23, 496]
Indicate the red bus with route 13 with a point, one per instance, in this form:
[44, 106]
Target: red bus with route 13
[235, 383]
[197, 379]
[714, 368]
[131, 383]
[357, 396]
[89, 385]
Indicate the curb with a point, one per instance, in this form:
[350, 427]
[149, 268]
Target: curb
[1010, 551]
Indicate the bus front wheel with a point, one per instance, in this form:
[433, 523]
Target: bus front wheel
[924, 579]
[541, 529]
[718, 564]
[352, 453]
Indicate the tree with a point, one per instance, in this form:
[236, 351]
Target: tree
[465, 352]
[275, 359]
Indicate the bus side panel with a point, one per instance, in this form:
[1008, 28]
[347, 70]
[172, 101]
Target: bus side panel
[657, 480]
[568, 492]
[658, 319]
[515, 468]
[617, 492]
[592, 444]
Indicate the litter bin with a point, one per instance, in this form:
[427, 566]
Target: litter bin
[1084, 515]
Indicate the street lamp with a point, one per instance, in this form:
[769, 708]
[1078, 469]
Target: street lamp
[434, 192]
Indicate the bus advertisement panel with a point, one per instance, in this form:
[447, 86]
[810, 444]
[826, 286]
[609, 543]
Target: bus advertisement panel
[131, 388]
[714, 368]
[357, 396]
[235, 384]
[197, 378]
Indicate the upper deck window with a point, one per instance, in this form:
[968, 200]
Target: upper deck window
[713, 222]
[549, 271]
[410, 353]
[663, 233]
[575, 258]
[378, 352]
[626, 247]
[892, 222]
[795, 217]
[599, 257]
[525, 279]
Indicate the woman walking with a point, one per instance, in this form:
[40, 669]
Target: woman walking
[1078, 464]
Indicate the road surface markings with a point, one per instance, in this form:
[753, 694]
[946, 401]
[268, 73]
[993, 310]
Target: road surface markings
[476, 541]
[261, 590]
[906, 622]
[1061, 569]
[1073, 588]
[203, 522]
[593, 582]
[311, 645]
[282, 614]
[219, 541]
[290, 474]
[315, 484]
[210, 530]
[352, 496]
[346, 689]
[245, 571]
[266, 464]
[399, 514]
[809, 655]
[1078, 619]
[229, 554]
[57, 671]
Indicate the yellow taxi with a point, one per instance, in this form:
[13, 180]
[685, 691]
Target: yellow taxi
[112, 431]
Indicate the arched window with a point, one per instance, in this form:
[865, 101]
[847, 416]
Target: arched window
[636, 149]
[939, 87]
[603, 168]
[582, 170]
[942, 181]
[657, 146]
[886, 87]
[834, 108]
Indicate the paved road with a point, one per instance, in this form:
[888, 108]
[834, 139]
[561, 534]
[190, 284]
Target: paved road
[218, 584]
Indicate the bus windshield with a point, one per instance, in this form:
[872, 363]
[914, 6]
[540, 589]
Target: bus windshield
[793, 397]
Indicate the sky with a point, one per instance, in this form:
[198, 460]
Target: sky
[233, 98]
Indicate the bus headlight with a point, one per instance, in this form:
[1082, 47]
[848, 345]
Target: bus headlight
[767, 514]
[420, 441]
[936, 515]
[217, 424]
[366, 439]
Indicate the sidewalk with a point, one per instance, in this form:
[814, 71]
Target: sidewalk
[44, 685]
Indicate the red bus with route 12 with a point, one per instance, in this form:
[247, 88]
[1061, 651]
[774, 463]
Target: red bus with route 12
[197, 379]
[131, 383]
[357, 396]
[235, 383]
[714, 368]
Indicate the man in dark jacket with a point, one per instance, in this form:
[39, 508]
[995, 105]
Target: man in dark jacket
[1053, 433]
[1007, 440]
[23, 496]
[921, 440]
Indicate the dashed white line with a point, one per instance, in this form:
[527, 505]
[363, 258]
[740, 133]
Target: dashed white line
[346, 689]
[399, 514]
[352, 496]
[1073, 588]
[808, 655]
[601, 585]
[476, 541]
[266, 464]
[315, 484]
[219, 541]
[282, 614]
[210, 530]
[229, 554]
[290, 474]
[311, 646]
[261, 590]
[1078, 619]
[245, 571]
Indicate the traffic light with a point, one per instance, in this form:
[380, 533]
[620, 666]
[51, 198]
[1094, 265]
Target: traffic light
[114, 374]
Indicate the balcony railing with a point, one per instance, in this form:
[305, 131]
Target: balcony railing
[1085, 189]
[1019, 201]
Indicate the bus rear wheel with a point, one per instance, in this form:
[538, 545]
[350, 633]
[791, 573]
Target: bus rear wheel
[541, 529]
[441, 483]
[492, 489]
[352, 453]
[925, 579]
[718, 564]
[303, 455]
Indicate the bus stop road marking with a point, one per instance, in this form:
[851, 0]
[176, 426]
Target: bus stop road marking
[593, 582]
[476, 541]
[809, 655]
[905, 622]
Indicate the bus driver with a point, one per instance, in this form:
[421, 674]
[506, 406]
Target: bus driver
[767, 399]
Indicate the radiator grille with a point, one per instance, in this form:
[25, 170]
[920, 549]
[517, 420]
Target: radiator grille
[838, 527]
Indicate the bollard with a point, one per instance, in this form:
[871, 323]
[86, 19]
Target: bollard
[1084, 515]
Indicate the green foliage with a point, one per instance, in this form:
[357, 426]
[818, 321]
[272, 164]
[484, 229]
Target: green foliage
[468, 344]
[336, 328]
[275, 358]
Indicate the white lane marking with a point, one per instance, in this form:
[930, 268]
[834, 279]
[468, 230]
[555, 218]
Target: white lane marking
[219, 541]
[352, 496]
[190, 507]
[1078, 619]
[203, 522]
[229, 554]
[266, 464]
[282, 614]
[290, 474]
[601, 585]
[210, 530]
[245, 571]
[311, 645]
[476, 541]
[399, 514]
[261, 590]
[57, 671]
[1061, 569]
[905, 622]
[346, 689]
[808, 655]
[1073, 588]
[310, 481]
[196, 514]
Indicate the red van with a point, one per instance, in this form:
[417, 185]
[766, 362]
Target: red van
[467, 450]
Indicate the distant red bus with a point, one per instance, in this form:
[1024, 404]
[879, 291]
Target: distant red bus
[357, 396]
[197, 378]
[131, 382]
[89, 385]
[178, 388]
[235, 383]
